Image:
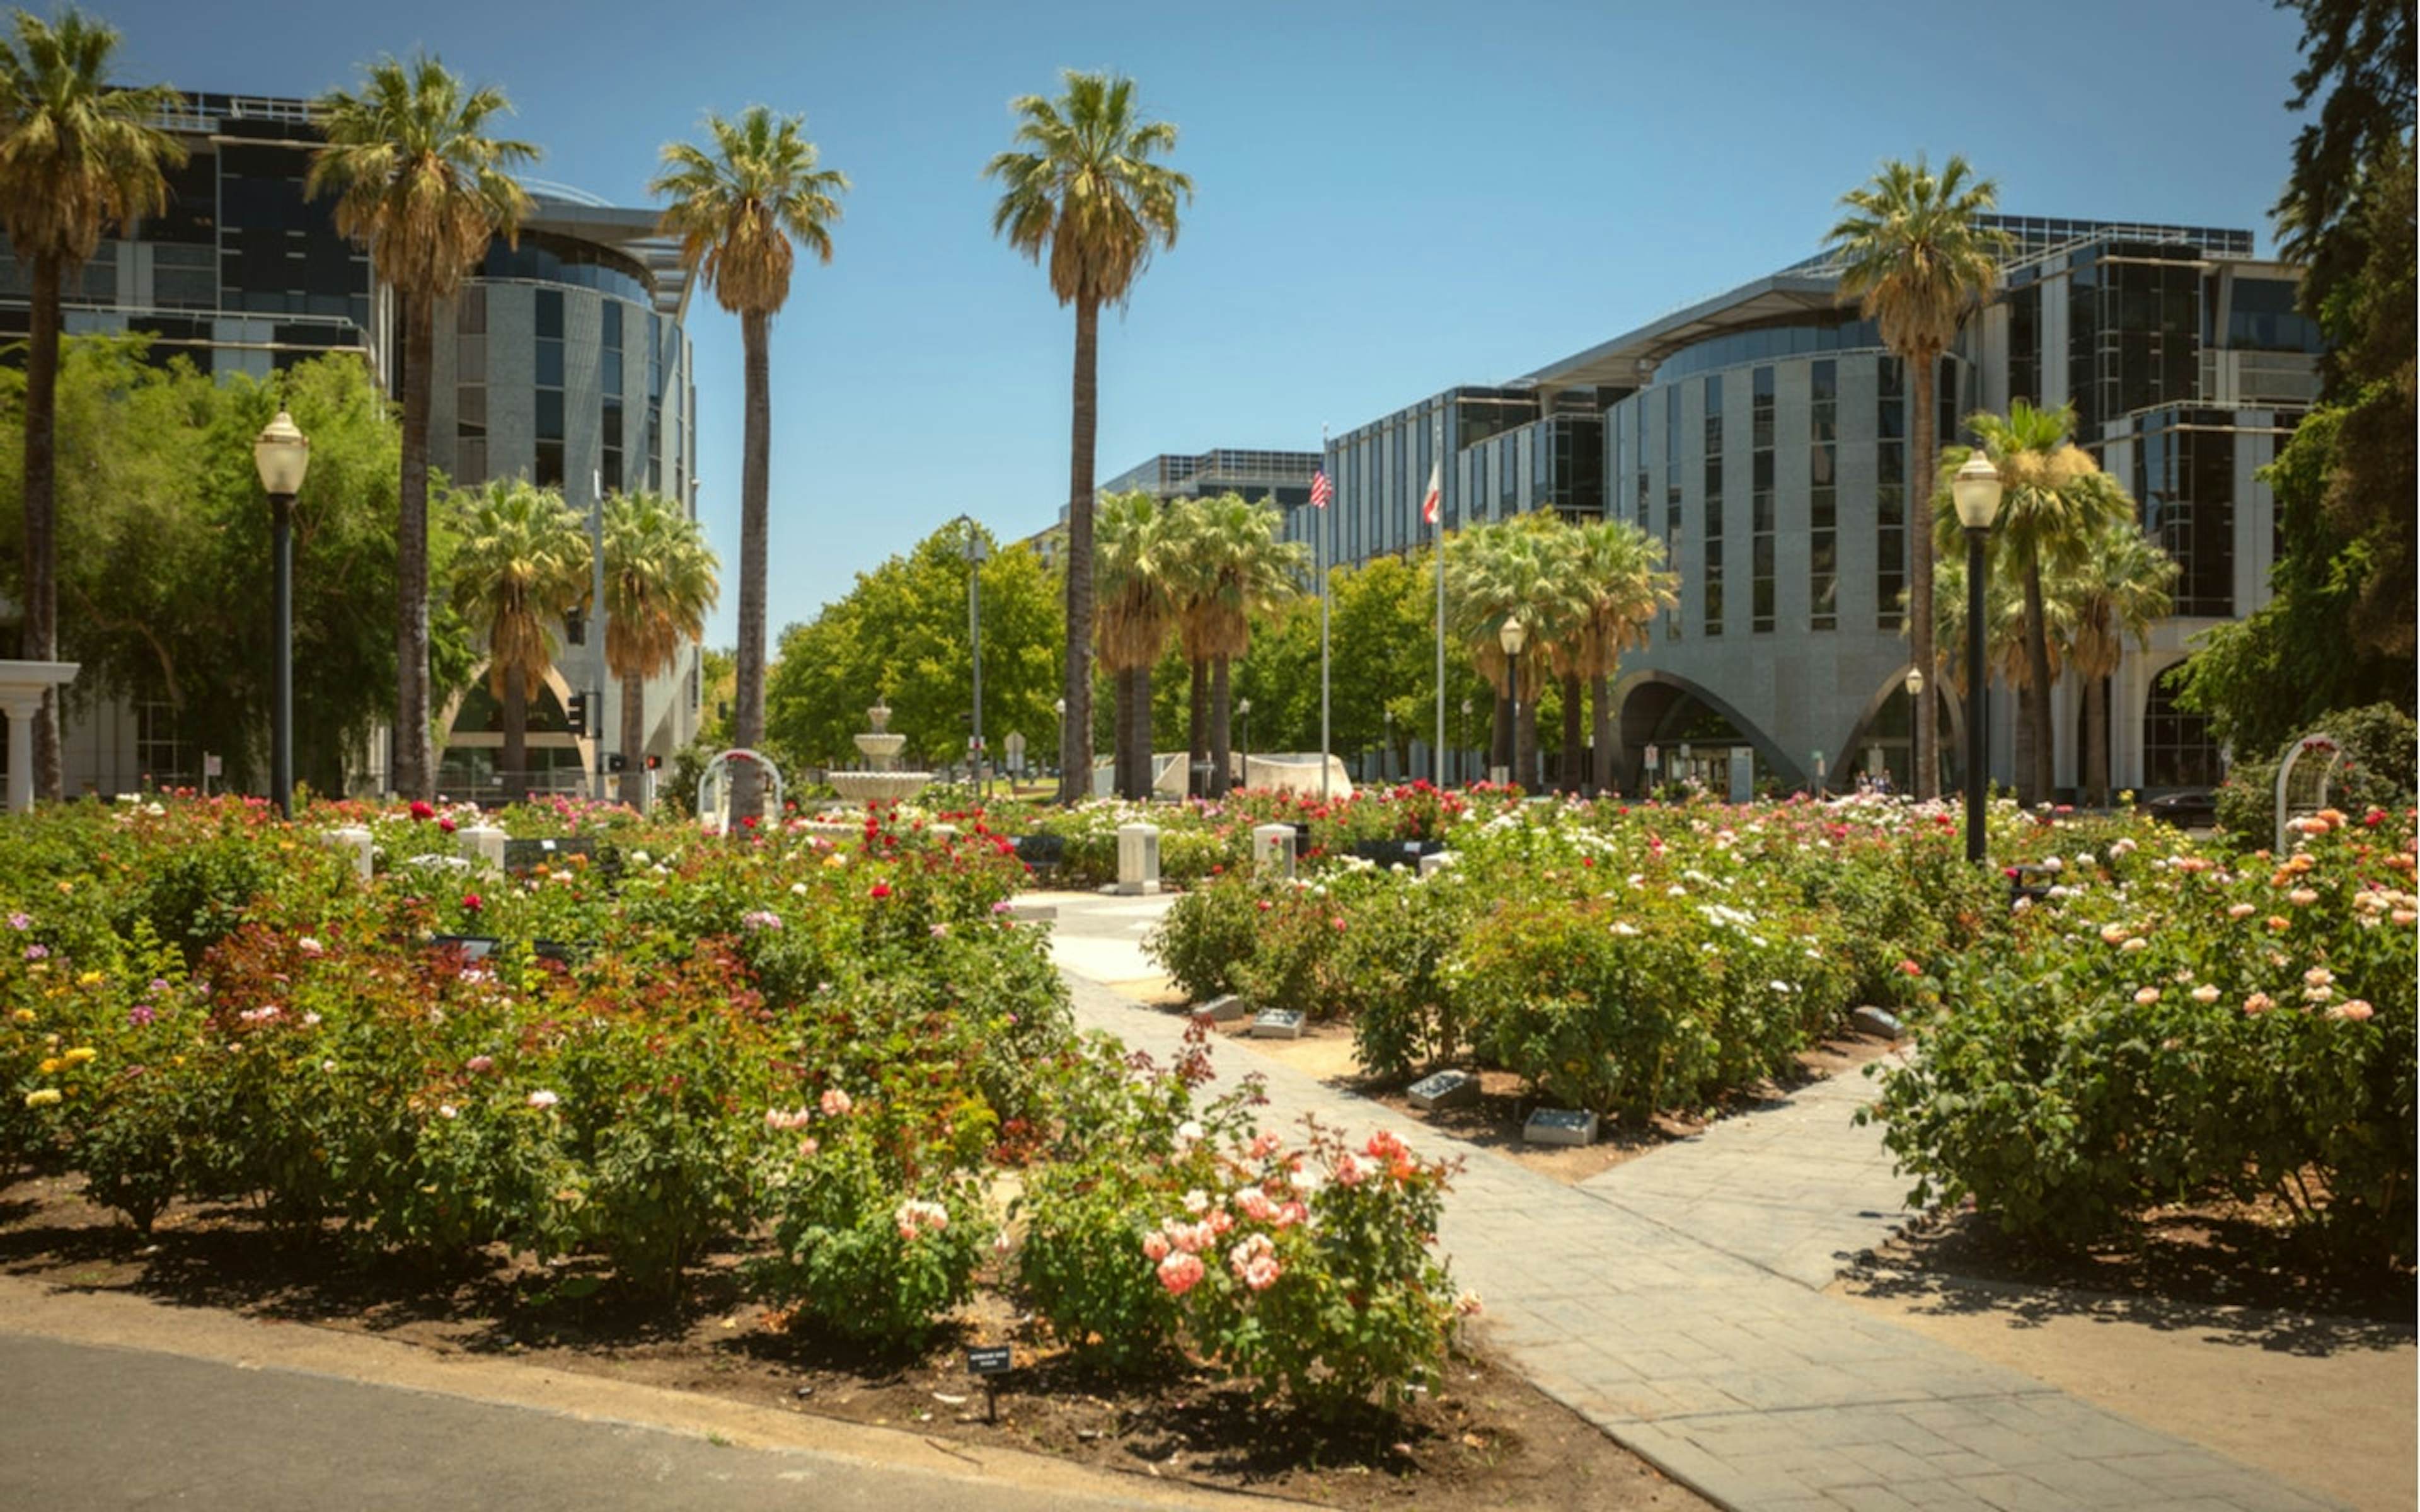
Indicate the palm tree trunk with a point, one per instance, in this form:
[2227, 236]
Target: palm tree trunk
[515, 753]
[1575, 776]
[756, 485]
[1122, 737]
[2038, 673]
[634, 741]
[1197, 750]
[1525, 746]
[1075, 734]
[1922, 380]
[2096, 741]
[415, 762]
[1608, 774]
[1142, 742]
[1222, 710]
[41, 634]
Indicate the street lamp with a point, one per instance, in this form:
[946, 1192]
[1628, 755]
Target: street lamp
[1915, 685]
[1976, 490]
[282, 454]
[1513, 636]
[1466, 734]
[1244, 710]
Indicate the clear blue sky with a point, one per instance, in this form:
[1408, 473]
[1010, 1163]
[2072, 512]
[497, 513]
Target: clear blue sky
[1392, 197]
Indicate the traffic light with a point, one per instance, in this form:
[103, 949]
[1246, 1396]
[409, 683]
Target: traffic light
[655, 763]
[616, 762]
[575, 713]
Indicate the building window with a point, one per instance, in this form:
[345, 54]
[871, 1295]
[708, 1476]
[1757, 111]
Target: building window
[1711, 522]
[158, 752]
[471, 385]
[1824, 498]
[547, 473]
[1890, 495]
[2185, 477]
[2177, 749]
[1759, 503]
[1672, 621]
[609, 465]
[2024, 345]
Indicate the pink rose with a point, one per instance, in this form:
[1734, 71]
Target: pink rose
[1181, 1272]
[836, 1102]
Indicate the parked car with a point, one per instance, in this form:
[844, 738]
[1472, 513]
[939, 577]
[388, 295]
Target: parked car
[2186, 807]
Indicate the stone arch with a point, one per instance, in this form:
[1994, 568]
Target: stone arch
[1651, 706]
[1890, 695]
[554, 685]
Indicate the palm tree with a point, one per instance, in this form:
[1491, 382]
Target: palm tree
[1138, 607]
[1912, 251]
[420, 182]
[659, 584]
[2055, 499]
[520, 564]
[2114, 591]
[736, 210]
[1228, 564]
[1508, 569]
[77, 155]
[1620, 574]
[1083, 191]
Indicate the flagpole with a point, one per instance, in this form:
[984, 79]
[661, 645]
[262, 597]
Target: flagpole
[1320, 555]
[1436, 752]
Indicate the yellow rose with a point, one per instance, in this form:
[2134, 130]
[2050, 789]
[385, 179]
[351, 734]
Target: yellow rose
[50, 1066]
[43, 1098]
[24, 1015]
[81, 1054]
[91, 978]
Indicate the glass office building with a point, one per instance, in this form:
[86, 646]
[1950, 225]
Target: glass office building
[564, 359]
[1763, 437]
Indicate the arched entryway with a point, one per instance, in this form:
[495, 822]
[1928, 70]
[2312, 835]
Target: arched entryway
[471, 739]
[1882, 741]
[1670, 714]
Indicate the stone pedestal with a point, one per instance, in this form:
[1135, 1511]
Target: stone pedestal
[484, 844]
[1137, 860]
[355, 841]
[21, 687]
[1273, 851]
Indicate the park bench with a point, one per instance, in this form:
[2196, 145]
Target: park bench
[1043, 854]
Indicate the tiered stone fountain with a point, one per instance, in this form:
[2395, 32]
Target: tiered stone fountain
[881, 780]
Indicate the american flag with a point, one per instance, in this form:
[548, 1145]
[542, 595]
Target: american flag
[1321, 492]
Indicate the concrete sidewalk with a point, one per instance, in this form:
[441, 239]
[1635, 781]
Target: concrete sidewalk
[1675, 1301]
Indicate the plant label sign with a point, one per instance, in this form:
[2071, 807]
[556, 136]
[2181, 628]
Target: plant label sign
[990, 1359]
[1445, 1089]
[1561, 1126]
[1278, 1024]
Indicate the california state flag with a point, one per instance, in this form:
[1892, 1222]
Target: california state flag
[1434, 499]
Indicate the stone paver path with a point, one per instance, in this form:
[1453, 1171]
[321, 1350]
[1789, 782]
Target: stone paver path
[1675, 1301]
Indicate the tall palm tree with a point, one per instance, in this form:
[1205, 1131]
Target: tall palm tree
[2114, 591]
[1913, 250]
[77, 155]
[1192, 583]
[737, 208]
[1138, 607]
[521, 562]
[1082, 191]
[2055, 499]
[1228, 564]
[420, 182]
[1620, 575]
[1507, 569]
[659, 584]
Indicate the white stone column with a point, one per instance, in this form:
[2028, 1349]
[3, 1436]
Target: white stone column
[1273, 850]
[20, 708]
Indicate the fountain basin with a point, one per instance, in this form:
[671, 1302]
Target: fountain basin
[877, 787]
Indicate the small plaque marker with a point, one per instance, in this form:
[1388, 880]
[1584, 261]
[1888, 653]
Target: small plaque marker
[1224, 1008]
[1559, 1126]
[1445, 1089]
[991, 1362]
[1278, 1024]
[1876, 1023]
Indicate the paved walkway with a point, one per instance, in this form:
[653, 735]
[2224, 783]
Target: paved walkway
[1675, 1301]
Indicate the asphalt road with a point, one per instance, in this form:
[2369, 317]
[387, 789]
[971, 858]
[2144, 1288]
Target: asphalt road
[92, 1426]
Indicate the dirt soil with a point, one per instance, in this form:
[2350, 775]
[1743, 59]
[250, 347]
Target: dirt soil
[1485, 1439]
[2211, 1324]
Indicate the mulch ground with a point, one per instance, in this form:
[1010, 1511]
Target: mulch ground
[1483, 1439]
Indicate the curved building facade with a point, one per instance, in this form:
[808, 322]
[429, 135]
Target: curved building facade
[1763, 437]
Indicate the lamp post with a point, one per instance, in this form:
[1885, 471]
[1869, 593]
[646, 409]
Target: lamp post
[282, 454]
[1976, 490]
[1386, 750]
[1915, 685]
[1466, 736]
[975, 551]
[1513, 636]
[1244, 712]
[1058, 707]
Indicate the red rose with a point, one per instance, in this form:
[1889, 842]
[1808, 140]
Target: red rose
[446, 825]
[422, 811]
[1911, 969]
[471, 902]
[880, 890]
